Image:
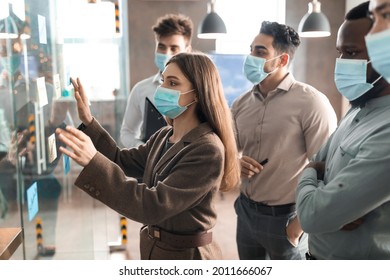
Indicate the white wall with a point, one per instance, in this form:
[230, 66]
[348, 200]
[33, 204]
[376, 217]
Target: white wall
[349, 4]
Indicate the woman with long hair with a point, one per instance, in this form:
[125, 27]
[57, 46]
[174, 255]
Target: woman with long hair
[182, 166]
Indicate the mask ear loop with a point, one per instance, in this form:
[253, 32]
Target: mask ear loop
[380, 77]
[270, 60]
[188, 91]
[188, 105]
[195, 101]
[190, 102]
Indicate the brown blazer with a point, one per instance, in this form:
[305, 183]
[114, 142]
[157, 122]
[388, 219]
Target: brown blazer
[178, 189]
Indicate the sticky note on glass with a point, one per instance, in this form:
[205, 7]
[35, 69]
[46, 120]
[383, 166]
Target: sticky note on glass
[66, 164]
[32, 201]
[42, 29]
[57, 86]
[52, 147]
[42, 94]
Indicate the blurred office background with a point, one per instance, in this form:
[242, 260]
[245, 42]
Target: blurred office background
[110, 45]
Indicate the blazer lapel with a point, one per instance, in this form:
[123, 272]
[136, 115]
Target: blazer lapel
[158, 162]
[154, 157]
[169, 155]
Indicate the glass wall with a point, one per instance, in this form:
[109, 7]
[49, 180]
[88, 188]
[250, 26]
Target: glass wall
[42, 44]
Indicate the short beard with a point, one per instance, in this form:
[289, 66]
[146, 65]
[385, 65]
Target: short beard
[371, 94]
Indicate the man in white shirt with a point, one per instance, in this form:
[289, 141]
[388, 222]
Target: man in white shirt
[173, 35]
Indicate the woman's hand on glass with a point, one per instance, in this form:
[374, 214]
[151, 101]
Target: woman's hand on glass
[81, 148]
[82, 102]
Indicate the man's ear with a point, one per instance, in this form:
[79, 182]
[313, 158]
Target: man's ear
[284, 59]
[189, 48]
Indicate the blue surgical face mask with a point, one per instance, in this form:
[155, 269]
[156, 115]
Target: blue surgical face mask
[167, 102]
[11, 64]
[378, 51]
[254, 68]
[160, 60]
[350, 76]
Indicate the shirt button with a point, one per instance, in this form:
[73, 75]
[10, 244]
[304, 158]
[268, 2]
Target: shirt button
[91, 189]
[86, 186]
[97, 193]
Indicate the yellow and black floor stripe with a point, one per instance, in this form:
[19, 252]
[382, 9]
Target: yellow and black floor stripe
[42, 250]
[123, 223]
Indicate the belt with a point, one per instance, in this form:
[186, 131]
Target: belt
[277, 210]
[180, 240]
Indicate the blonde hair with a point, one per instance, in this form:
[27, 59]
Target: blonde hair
[212, 107]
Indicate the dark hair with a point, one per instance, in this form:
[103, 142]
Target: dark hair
[358, 12]
[172, 24]
[286, 39]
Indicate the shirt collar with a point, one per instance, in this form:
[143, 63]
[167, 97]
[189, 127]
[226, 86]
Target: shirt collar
[382, 101]
[286, 83]
[283, 86]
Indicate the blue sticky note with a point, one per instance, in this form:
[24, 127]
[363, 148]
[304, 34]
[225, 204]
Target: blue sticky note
[66, 164]
[32, 201]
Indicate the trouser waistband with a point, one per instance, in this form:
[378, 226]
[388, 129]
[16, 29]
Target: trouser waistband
[274, 210]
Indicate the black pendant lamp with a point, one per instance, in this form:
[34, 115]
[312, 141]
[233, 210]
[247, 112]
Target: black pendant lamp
[212, 26]
[314, 23]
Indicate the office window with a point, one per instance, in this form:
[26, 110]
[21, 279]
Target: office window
[243, 20]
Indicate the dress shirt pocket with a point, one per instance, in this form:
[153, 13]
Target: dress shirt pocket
[348, 152]
[344, 151]
[345, 154]
[341, 158]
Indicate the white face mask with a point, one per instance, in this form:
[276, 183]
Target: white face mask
[350, 76]
[161, 59]
[379, 53]
[254, 68]
[167, 102]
